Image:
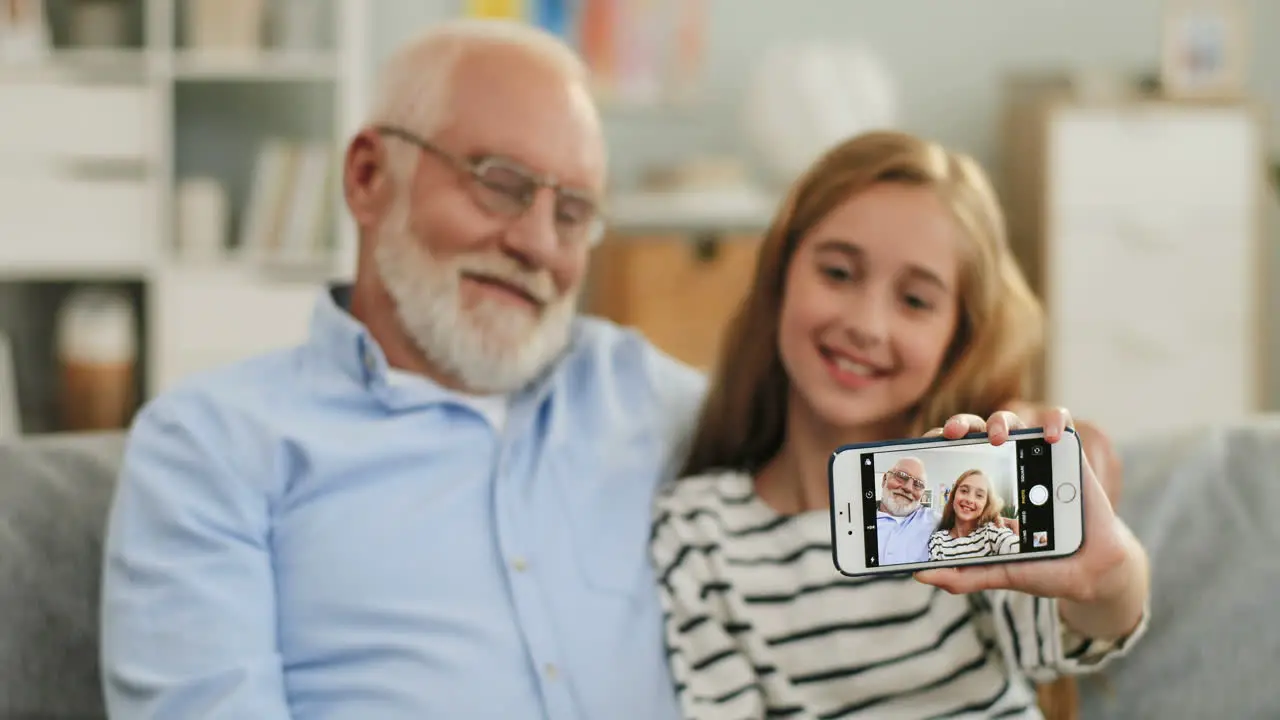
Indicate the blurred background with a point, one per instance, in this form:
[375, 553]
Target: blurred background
[168, 175]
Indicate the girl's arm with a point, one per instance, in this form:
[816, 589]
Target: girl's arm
[1116, 603]
[713, 677]
[1103, 590]
[1002, 540]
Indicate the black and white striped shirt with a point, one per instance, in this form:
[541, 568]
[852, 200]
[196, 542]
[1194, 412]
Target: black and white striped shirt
[760, 624]
[986, 540]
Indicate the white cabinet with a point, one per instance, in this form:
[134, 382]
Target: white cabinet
[210, 317]
[49, 119]
[53, 223]
[97, 143]
[55, 216]
[1140, 226]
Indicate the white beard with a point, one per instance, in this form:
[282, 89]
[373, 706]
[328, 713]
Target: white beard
[896, 506]
[489, 348]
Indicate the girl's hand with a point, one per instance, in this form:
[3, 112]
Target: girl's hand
[1104, 568]
[1096, 444]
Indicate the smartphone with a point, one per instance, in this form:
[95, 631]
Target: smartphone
[906, 505]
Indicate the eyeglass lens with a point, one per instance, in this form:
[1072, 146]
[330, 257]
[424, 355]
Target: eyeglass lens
[510, 190]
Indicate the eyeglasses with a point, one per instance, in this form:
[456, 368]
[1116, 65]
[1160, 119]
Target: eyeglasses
[506, 188]
[905, 478]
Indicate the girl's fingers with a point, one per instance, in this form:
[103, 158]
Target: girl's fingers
[957, 426]
[1000, 424]
[1055, 421]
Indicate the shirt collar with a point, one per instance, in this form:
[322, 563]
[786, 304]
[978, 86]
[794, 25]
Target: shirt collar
[342, 339]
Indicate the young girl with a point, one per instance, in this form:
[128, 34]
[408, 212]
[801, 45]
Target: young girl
[885, 302]
[970, 524]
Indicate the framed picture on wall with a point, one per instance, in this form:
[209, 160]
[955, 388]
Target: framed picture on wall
[927, 498]
[1204, 53]
[24, 33]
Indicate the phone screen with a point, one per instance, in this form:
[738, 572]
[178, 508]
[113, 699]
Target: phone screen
[936, 504]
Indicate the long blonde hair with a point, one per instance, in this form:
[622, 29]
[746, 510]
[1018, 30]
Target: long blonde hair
[987, 365]
[990, 512]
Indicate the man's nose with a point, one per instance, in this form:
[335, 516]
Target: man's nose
[532, 235]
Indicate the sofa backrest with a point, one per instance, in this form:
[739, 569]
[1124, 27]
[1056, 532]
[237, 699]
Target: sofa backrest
[1206, 505]
[54, 496]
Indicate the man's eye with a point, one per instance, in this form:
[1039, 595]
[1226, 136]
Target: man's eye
[506, 181]
[574, 211]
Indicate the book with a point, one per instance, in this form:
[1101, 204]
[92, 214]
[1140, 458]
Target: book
[500, 9]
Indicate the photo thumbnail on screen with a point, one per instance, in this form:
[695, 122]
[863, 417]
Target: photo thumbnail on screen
[957, 502]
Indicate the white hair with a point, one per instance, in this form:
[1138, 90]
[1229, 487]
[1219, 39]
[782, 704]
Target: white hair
[414, 84]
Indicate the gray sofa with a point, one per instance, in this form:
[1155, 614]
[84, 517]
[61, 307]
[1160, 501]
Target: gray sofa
[1203, 502]
[54, 493]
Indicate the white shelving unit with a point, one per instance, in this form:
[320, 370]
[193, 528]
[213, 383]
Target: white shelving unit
[1141, 223]
[94, 144]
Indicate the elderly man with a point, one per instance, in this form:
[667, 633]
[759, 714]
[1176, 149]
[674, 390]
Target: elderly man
[437, 506]
[903, 525]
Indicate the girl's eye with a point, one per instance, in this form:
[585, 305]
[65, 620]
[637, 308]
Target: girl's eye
[838, 274]
[915, 302]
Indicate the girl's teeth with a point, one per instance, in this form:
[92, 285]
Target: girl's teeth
[857, 368]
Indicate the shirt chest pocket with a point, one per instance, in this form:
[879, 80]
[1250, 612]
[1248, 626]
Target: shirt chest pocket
[610, 513]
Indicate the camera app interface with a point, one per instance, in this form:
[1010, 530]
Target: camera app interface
[947, 503]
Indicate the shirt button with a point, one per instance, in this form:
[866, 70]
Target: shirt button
[519, 565]
[550, 670]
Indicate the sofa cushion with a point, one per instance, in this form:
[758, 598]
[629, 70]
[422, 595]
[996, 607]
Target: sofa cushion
[54, 497]
[1206, 505]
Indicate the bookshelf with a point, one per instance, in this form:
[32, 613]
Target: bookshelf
[131, 165]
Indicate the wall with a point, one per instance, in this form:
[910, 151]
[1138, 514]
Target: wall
[949, 60]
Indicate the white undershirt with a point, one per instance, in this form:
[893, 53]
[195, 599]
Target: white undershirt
[895, 518]
[493, 408]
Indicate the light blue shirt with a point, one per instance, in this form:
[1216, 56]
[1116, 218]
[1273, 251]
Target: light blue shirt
[295, 537]
[905, 540]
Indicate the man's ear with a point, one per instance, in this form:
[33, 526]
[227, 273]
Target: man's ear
[366, 182]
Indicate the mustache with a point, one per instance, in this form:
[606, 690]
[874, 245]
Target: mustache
[536, 284]
[494, 267]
